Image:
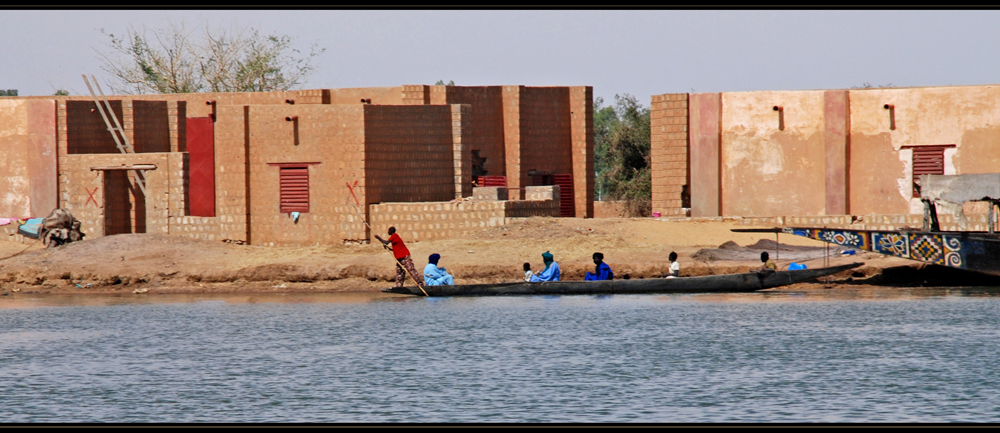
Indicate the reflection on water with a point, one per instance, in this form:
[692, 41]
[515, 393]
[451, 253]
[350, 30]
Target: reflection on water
[836, 355]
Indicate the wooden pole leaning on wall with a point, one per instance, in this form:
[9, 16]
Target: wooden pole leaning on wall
[124, 146]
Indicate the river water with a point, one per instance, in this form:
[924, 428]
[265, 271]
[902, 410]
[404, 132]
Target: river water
[877, 355]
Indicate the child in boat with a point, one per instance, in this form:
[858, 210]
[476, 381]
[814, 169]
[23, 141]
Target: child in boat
[436, 276]
[675, 268]
[551, 271]
[601, 272]
[768, 264]
[527, 272]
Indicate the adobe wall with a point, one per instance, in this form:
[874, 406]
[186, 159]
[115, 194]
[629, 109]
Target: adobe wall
[766, 170]
[881, 169]
[485, 121]
[333, 137]
[581, 105]
[83, 189]
[546, 144]
[377, 95]
[448, 220]
[232, 208]
[408, 153]
[668, 153]
[27, 158]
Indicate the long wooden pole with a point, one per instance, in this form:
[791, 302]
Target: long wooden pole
[398, 263]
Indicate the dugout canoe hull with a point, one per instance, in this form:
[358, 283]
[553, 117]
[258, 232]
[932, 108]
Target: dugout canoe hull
[729, 283]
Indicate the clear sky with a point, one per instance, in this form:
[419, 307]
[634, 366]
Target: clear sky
[643, 53]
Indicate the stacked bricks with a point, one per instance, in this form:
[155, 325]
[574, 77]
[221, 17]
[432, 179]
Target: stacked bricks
[82, 190]
[150, 126]
[177, 121]
[206, 228]
[428, 221]
[485, 121]
[82, 129]
[409, 153]
[669, 152]
[581, 100]
[447, 220]
[416, 95]
[512, 137]
[531, 208]
[489, 193]
[545, 141]
[462, 152]
[231, 173]
[538, 193]
[331, 143]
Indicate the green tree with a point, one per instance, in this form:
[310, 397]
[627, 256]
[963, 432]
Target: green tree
[441, 83]
[62, 92]
[8, 92]
[239, 59]
[621, 153]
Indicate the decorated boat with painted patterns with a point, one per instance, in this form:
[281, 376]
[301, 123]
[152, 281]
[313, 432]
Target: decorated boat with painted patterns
[969, 250]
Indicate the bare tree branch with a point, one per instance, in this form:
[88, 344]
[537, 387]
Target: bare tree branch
[238, 59]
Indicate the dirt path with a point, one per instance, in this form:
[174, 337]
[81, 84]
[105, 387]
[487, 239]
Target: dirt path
[171, 264]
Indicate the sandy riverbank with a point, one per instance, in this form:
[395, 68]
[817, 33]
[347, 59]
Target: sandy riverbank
[171, 264]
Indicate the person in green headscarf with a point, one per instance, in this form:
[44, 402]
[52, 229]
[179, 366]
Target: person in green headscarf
[551, 271]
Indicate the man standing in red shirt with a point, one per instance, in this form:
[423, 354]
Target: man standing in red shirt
[402, 256]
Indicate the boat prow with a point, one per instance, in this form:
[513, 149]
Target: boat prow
[729, 283]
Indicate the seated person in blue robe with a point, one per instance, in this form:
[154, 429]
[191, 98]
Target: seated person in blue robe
[551, 272]
[601, 272]
[435, 276]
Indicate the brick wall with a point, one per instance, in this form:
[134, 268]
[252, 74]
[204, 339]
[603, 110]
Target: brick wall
[85, 130]
[231, 173]
[14, 174]
[447, 220]
[485, 120]
[151, 126]
[377, 95]
[581, 100]
[461, 150]
[546, 144]
[409, 153]
[512, 137]
[331, 136]
[83, 192]
[669, 152]
[416, 95]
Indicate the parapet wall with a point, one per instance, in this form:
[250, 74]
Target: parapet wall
[446, 220]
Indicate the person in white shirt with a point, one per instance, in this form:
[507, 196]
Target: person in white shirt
[527, 272]
[675, 268]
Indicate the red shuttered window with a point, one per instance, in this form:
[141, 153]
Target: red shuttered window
[926, 160]
[295, 189]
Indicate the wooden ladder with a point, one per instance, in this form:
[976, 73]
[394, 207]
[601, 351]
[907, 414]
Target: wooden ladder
[115, 129]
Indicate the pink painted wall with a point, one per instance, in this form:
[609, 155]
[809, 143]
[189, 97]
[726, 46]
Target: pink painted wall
[705, 112]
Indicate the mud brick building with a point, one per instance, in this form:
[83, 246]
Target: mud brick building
[295, 167]
[817, 152]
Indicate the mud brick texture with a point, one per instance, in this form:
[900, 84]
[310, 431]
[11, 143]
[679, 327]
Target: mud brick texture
[669, 152]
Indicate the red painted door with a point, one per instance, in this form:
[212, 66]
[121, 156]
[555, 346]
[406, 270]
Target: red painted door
[201, 166]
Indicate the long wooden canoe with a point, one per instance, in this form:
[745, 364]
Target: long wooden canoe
[729, 283]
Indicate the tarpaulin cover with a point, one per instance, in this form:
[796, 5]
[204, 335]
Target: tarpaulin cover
[31, 228]
[951, 191]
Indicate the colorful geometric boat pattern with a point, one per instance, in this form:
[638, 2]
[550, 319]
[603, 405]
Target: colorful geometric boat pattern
[925, 247]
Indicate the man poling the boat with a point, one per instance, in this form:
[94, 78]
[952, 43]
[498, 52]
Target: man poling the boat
[402, 255]
[551, 271]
